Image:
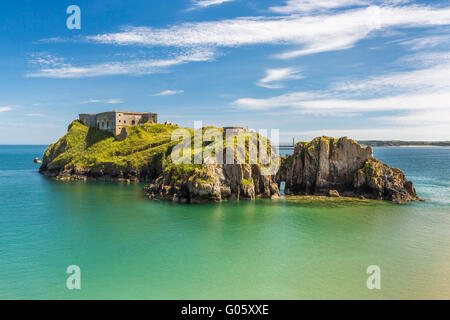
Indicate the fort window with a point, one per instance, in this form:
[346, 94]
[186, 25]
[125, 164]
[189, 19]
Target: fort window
[133, 122]
[107, 124]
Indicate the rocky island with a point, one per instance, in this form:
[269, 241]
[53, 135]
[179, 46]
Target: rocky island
[324, 166]
[334, 167]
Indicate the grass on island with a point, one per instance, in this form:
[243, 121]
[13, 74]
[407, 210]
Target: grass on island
[147, 145]
[90, 147]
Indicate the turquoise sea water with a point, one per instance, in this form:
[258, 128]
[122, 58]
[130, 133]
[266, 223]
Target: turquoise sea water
[128, 247]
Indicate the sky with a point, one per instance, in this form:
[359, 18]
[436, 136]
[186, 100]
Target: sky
[365, 69]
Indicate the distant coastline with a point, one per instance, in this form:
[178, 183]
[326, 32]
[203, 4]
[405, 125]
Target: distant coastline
[404, 144]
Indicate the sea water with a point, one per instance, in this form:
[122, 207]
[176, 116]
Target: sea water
[128, 247]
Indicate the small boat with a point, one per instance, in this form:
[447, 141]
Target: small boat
[37, 160]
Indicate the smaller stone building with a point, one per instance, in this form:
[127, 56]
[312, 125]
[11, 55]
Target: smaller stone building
[116, 121]
[234, 130]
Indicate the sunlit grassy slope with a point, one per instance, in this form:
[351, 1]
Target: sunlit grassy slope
[89, 147]
[147, 150]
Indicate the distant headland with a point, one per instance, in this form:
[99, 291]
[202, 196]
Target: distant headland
[399, 143]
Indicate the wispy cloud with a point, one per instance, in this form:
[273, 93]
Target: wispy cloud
[315, 33]
[425, 59]
[34, 115]
[133, 67]
[411, 97]
[4, 109]
[207, 3]
[274, 76]
[431, 79]
[108, 101]
[427, 42]
[401, 132]
[168, 93]
[292, 6]
[46, 59]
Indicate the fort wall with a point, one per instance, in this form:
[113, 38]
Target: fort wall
[116, 121]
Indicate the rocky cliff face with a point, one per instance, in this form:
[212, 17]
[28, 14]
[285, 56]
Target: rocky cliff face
[328, 166]
[213, 182]
[380, 181]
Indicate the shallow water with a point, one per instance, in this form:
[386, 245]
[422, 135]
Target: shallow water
[129, 247]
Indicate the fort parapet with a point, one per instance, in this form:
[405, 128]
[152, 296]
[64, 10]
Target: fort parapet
[234, 130]
[116, 121]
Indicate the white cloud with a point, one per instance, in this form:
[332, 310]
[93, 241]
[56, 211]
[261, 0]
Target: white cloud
[273, 76]
[433, 78]
[284, 100]
[420, 117]
[422, 101]
[427, 42]
[299, 102]
[108, 101]
[414, 98]
[168, 93]
[327, 31]
[46, 59]
[4, 109]
[425, 59]
[406, 133]
[207, 3]
[292, 6]
[134, 67]
[313, 34]
[34, 114]
[326, 44]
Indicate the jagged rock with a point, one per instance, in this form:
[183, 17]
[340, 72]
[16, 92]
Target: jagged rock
[333, 193]
[378, 180]
[334, 167]
[214, 182]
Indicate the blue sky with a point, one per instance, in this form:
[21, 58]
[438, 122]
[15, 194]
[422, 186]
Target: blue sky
[365, 69]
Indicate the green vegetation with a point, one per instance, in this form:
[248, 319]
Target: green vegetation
[247, 182]
[288, 160]
[368, 167]
[85, 147]
[312, 143]
[372, 168]
[179, 172]
[329, 139]
[147, 148]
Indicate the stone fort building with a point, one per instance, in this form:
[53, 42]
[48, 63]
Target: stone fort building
[116, 121]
